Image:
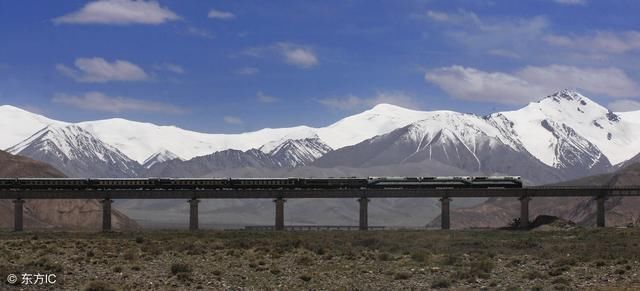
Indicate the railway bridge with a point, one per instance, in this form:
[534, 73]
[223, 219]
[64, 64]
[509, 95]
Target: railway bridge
[280, 195]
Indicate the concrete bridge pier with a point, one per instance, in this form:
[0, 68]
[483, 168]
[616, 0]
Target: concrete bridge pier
[524, 211]
[106, 214]
[364, 213]
[279, 213]
[18, 215]
[600, 211]
[193, 214]
[444, 216]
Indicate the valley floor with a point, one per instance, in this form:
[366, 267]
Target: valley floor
[473, 259]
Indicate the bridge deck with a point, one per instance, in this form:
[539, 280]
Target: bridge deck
[279, 196]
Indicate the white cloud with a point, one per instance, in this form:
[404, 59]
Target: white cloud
[609, 81]
[221, 15]
[438, 16]
[494, 35]
[571, 2]
[232, 120]
[98, 70]
[504, 53]
[461, 17]
[299, 56]
[530, 83]
[119, 12]
[351, 102]
[624, 105]
[169, 67]
[97, 101]
[199, 32]
[247, 71]
[294, 54]
[264, 98]
[606, 42]
[471, 84]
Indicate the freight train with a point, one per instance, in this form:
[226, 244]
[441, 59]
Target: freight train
[262, 183]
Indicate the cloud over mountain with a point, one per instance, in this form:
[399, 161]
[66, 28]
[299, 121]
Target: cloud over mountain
[119, 12]
[97, 101]
[530, 82]
[99, 70]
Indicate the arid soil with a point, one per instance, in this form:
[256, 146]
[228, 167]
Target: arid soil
[173, 260]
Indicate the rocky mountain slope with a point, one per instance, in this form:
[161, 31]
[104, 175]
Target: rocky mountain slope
[67, 214]
[76, 152]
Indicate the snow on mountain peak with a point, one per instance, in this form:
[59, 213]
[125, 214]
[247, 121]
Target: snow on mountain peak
[586, 118]
[381, 119]
[568, 94]
[388, 108]
[159, 157]
[72, 141]
[22, 124]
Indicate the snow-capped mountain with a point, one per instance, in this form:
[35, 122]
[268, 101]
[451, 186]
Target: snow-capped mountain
[464, 141]
[564, 131]
[203, 166]
[17, 124]
[141, 140]
[540, 127]
[76, 153]
[159, 157]
[299, 152]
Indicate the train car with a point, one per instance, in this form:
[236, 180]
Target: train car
[263, 183]
[203, 183]
[393, 182]
[52, 183]
[497, 182]
[8, 183]
[122, 183]
[332, 183]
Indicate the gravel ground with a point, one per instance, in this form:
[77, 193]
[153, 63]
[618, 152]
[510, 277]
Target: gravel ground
[175, 260]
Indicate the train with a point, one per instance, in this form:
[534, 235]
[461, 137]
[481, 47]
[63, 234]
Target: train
[262, 183]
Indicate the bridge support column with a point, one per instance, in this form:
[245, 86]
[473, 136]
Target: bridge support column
[600, 211]
[193, 214]
[18, 215]
[524, 211]
[279, 213]
[364, 213]
[106, 214]
[444, 216]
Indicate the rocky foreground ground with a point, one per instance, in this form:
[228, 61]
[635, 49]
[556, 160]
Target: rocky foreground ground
[374, 260]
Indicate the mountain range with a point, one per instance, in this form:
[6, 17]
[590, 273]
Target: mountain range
[562, 136]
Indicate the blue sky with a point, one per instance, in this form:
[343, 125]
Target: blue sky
[232, 66]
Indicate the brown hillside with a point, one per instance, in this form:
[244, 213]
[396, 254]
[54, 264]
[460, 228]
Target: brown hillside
[498, 212]
[67, 214]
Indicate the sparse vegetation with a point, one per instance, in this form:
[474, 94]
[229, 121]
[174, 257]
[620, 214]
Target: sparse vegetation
[174, 260]
[99, 286]
[180, 268]
[402, 276]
